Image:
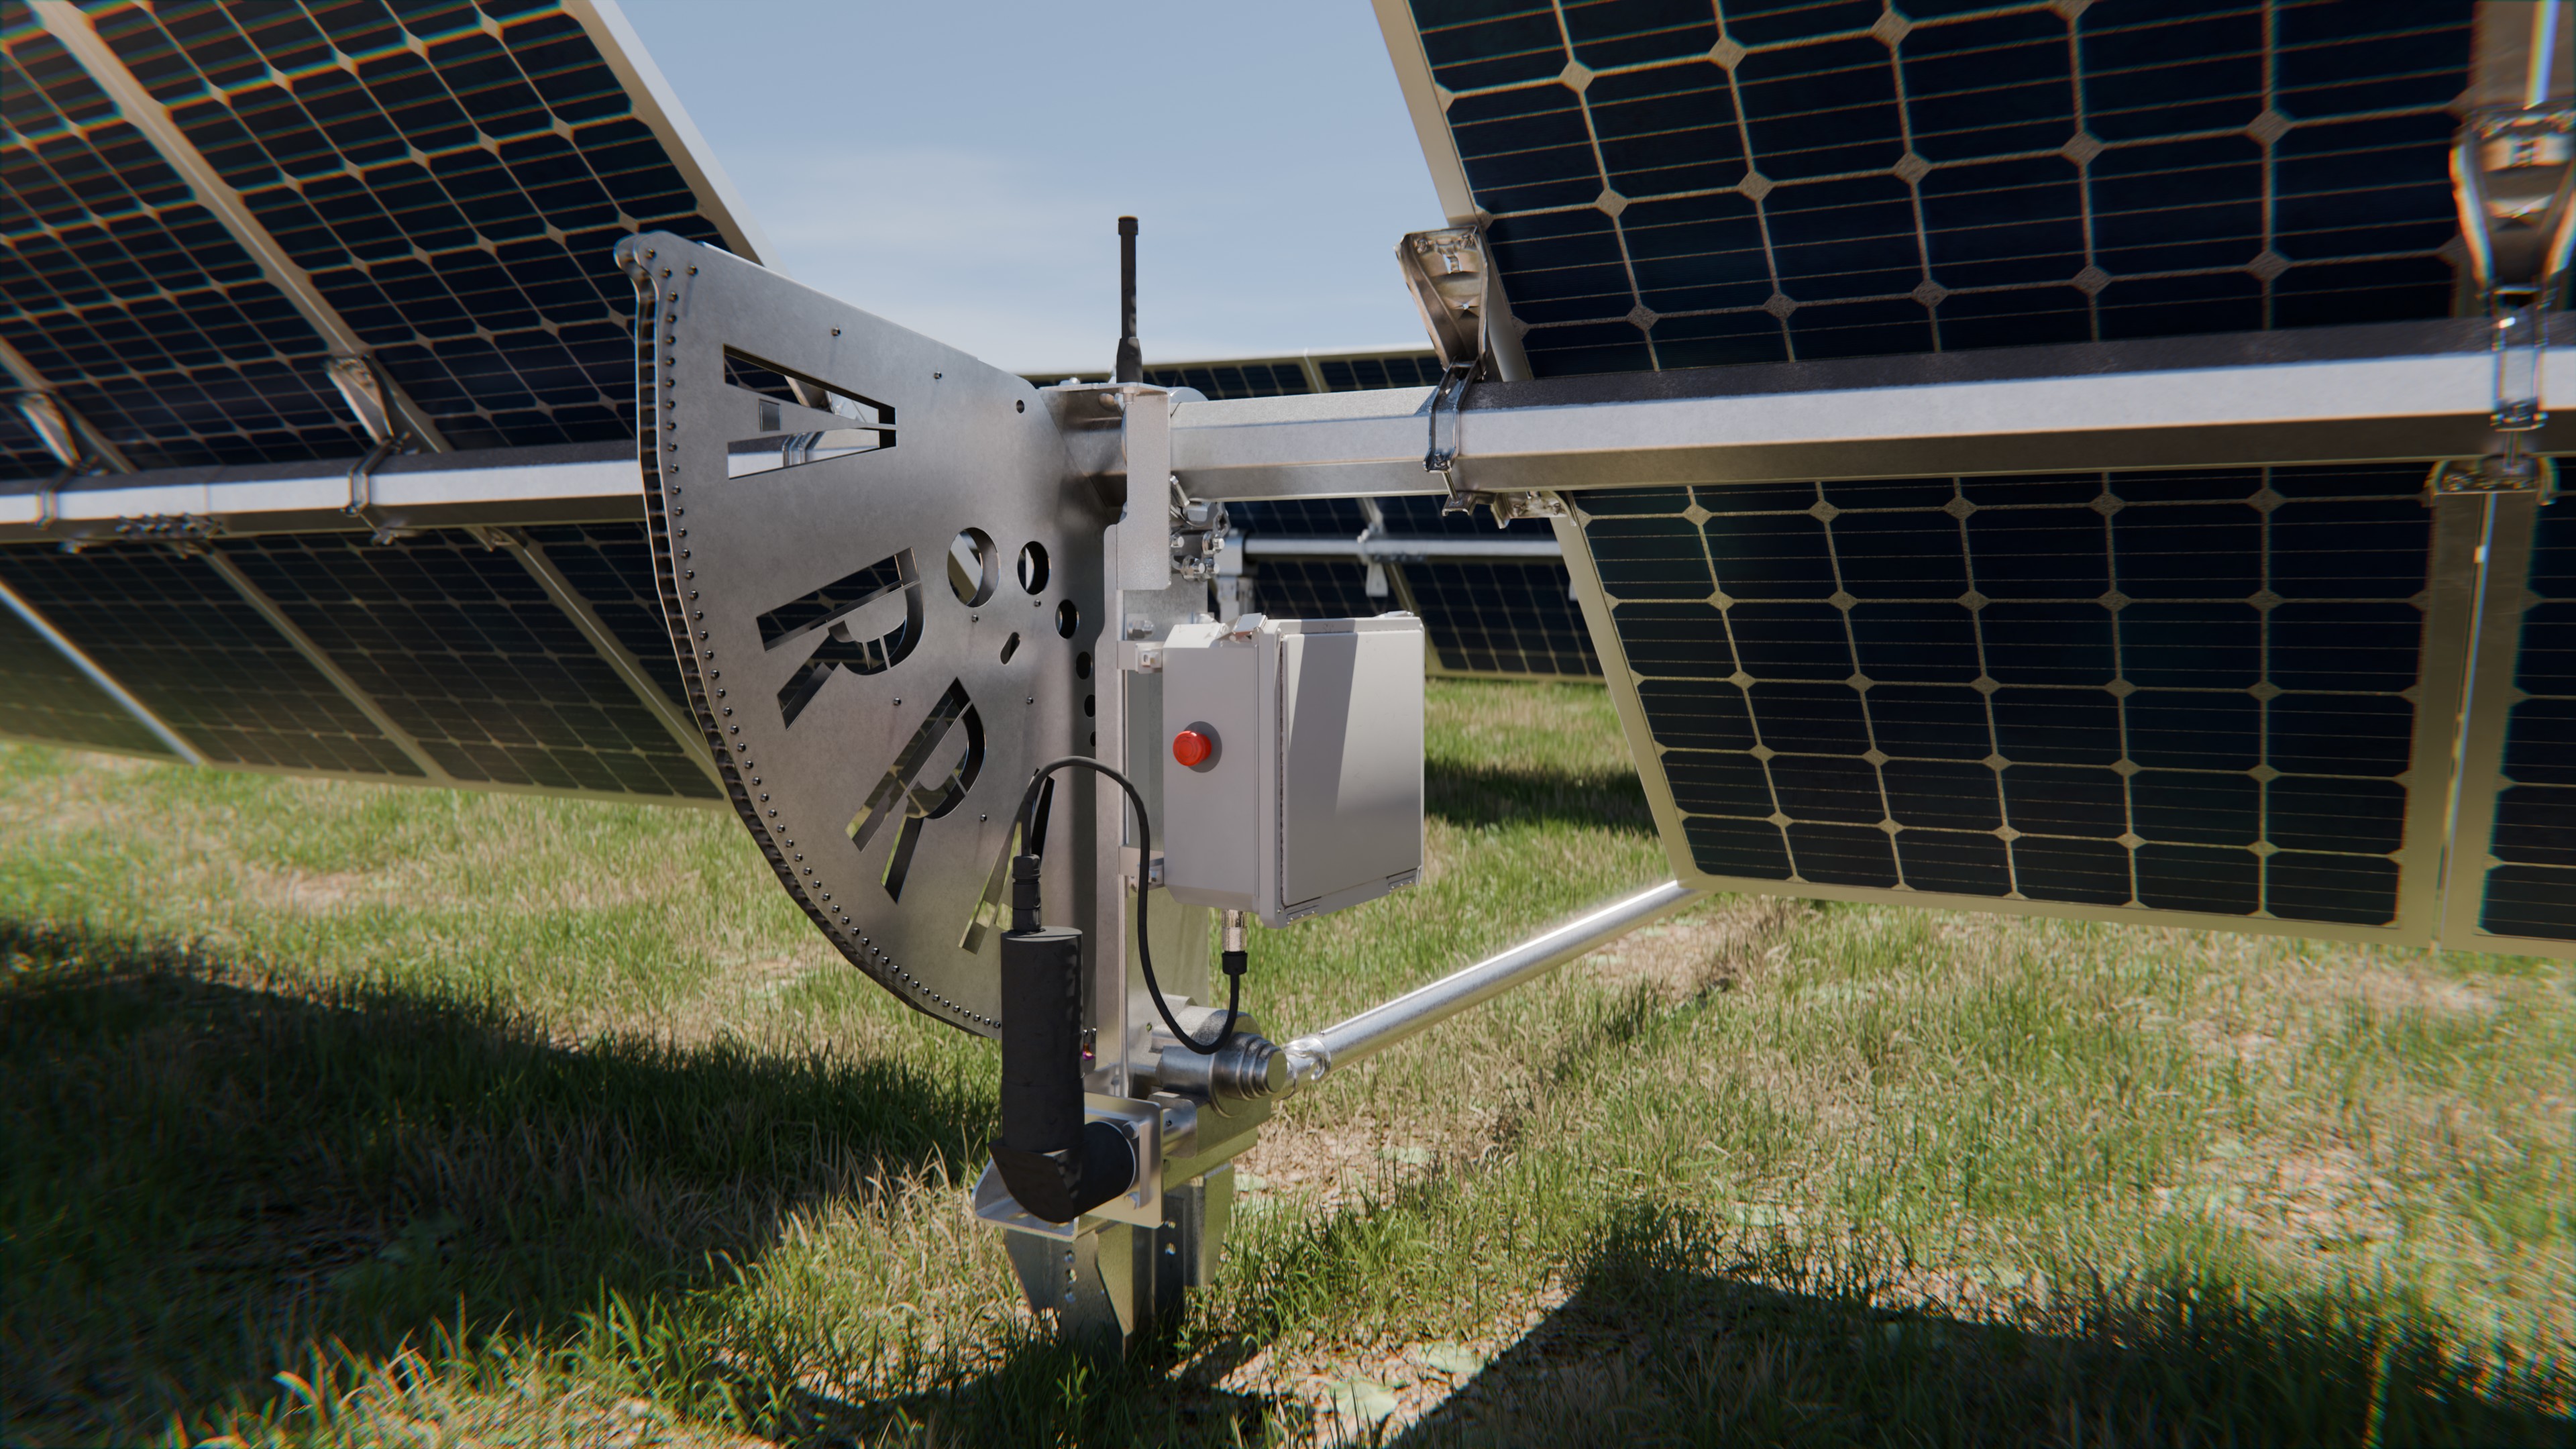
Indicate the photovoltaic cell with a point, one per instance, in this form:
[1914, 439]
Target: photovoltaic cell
[452, 176]
[1680, 186]
[2183, 691]
[43, 697]
[462, 649]
[1368, 374]
[1288, 588]
[201, 659]
[2531, 889]
[1218, 380]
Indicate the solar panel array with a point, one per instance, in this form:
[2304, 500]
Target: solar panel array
[449, 179]
[455, 644]
[2196, 692]
[1309, 372]
[452, 176]
[202, 659]
[129, 297]
[463, 649]
[1679, 184]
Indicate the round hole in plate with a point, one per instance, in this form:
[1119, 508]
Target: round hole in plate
[1033, 568]
[1067, 618]
[1082, 665]
[974, 567]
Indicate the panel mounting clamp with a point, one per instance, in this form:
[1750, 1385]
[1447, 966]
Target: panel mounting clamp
[363, 388]
[2513, 176]
[1448, 274]
[1451, 279]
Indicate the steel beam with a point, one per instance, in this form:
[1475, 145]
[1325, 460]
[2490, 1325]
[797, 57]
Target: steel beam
[2333, 395]
[569, 483]
[1312, 1056]
[1384, 548]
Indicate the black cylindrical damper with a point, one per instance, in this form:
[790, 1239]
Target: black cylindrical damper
[1055, 1165]
[1041, 1040]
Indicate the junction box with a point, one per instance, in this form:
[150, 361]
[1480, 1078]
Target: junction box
[1292, 763]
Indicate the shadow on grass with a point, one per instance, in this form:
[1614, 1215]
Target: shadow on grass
[1678, 1334]
[1043, 1390]
[200, 1172]
[1479, 794]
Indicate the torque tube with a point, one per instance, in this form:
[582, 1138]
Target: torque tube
[1056, 1166]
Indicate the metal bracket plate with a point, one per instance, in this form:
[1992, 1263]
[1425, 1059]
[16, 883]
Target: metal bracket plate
[882, 642]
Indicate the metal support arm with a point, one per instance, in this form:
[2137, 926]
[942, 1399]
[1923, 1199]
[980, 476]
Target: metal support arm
[1314, 1056]
[2399, 390]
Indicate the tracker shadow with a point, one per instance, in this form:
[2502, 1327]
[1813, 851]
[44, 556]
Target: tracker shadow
[208, 1168]
[1679, 1332]
[1480, 794]
[1044, 1390]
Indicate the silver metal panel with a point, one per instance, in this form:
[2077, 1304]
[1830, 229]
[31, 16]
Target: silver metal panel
[2448, 608]
[873, 726]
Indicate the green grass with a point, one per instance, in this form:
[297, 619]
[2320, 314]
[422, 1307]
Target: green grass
[337, 1114]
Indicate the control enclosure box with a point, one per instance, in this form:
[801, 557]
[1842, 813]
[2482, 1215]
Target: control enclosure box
[1311, 800]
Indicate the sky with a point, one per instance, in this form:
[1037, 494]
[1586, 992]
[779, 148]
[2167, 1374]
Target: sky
[960, 168]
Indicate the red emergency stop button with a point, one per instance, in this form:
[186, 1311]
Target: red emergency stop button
[1193, 748]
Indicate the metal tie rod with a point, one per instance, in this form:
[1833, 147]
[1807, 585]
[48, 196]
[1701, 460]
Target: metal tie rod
[1313, 1056]
[1403, 548]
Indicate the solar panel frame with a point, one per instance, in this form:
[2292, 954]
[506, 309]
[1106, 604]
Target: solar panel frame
[2513, 859]
[2447, 607]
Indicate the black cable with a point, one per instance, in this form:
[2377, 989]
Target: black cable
[1234, 960]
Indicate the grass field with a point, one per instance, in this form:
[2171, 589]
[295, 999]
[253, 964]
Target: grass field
[341, 1114]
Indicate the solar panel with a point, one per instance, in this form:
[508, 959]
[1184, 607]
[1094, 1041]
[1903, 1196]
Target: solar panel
[461, 647]
[2515, 885]
[208, 200]
[202, 659]
[2213, 692]
[129, 299]
[1684, 185]
[45, 698]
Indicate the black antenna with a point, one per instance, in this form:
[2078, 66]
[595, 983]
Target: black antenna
[1131, 353]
